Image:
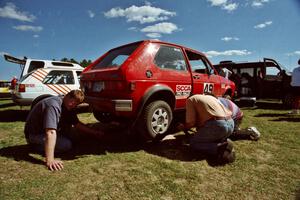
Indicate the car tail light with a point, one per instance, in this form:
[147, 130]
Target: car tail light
[22, 88]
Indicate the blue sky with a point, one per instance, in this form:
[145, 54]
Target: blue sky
[238, 30]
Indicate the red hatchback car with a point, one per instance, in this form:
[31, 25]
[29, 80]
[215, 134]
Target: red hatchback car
[145, 82]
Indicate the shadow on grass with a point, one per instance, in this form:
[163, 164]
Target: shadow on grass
[288, 119]
[281, 117]
[263, 105]
[20, 152]
[13, 115]
[115, 141]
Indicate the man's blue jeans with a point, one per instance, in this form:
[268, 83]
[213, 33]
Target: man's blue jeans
[63, 144]
[206, 140]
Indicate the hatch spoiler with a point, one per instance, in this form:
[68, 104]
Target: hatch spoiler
[12, 59]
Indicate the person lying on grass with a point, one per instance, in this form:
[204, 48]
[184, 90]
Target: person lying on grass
[48, 125]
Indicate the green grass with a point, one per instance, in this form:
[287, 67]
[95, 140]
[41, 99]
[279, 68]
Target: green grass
[120, 168]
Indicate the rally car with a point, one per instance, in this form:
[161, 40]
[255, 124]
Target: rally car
[145, 82]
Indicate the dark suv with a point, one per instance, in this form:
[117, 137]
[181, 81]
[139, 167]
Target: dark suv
[265, 79]
[145, 82]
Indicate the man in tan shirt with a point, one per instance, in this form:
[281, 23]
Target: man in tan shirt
[214, 125]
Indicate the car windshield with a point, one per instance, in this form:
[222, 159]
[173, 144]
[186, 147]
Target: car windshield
[116, 57]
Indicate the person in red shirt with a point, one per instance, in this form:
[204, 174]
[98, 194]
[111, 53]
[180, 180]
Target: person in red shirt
[13, 83]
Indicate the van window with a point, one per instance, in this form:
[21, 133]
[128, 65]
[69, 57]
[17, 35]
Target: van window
[116, 57]
[170, 58]
[35, 65]
[63, 64]
[249, 71]
[59, 77]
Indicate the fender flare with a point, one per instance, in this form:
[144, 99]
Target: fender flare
[148, 94]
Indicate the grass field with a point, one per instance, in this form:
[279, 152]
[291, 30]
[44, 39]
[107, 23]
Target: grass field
[118, 167]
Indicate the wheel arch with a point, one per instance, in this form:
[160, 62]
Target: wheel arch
[157, 92]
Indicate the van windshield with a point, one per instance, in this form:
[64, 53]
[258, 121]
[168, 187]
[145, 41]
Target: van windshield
[116, 57]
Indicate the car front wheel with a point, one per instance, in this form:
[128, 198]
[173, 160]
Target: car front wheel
[157, 119]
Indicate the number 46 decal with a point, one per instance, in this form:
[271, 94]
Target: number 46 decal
[208, 88]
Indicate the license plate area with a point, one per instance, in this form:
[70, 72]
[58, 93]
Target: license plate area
[98, 86]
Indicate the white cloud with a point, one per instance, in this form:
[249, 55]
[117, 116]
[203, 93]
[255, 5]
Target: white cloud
[259, 3]
[295, 53]
[153, 35]
[28, 28]
[230, 7]
[164, 27]
[91, 14]
[132, 28]
[142, 14]
[227, 39]
[10, 11]
[228, 53]
[224, 4]
[36, 36]
[263, 25]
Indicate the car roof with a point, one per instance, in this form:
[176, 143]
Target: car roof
[160, 42]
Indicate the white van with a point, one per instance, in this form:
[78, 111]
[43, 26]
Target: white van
[44, 77]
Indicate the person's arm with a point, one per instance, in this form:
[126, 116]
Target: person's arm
[190, 117]
[90, 131]
[50, 142]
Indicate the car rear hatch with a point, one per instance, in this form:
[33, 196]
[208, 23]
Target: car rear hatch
[106, 76]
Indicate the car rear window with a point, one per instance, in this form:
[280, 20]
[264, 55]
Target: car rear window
[59, 77]
[116, 57]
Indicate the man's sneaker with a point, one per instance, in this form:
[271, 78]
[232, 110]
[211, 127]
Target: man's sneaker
[254, 133]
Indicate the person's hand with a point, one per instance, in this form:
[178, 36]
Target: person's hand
[55, 165]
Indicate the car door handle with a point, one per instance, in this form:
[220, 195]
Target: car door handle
[196, 77]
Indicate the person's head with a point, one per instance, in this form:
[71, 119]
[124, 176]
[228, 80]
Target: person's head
[299, 62]
[73, 99]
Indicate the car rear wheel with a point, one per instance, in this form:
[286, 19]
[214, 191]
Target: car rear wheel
[157, 119]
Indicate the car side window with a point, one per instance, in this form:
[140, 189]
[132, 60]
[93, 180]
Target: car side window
[35, 65]
[199, 64]
[169, 57]
[272, 73]
[59, 77]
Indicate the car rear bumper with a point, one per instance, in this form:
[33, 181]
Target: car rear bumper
[21, 101]
[108, 105]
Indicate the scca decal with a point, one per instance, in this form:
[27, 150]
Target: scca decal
[183, 88]
[183, 91]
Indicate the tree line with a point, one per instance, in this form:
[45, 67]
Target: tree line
[84, 63]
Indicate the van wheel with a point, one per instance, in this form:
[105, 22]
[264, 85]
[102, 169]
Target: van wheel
[157, 119]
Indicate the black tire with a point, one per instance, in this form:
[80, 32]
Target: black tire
[157, 118]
